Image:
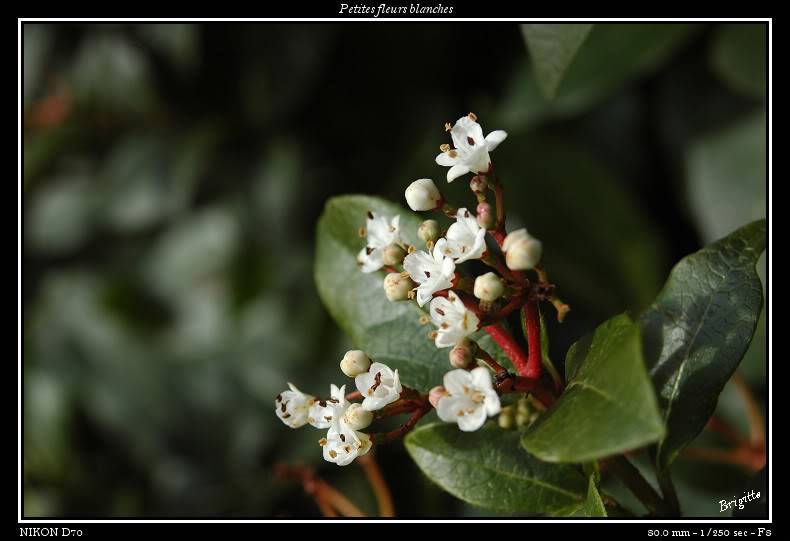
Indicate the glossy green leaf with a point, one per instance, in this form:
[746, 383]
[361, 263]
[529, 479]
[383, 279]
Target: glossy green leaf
[612, 55]
[553, 48]
[389, 332]
[740, 56]
[608, 405]
[488, 469]
[698, 330]
[593, 505]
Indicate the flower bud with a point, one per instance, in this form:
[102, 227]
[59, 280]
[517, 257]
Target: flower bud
[354, 363]
[507, 418]
[429, 231]
[485, 216]
[461, 356]
[489, 287]
[423, 194]
[397, 286]
[436, 394]
[522, 251]
[393, 254]
[357, 417]
[478, 184]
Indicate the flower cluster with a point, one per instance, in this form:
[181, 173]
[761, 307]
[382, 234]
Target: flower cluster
[376, 383]
[459, 303]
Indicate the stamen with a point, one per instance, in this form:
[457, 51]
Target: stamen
[362, 232]
[376, 381]
[444, 326]
[452, 154]
[279, 398]
[472, 117]
[424, 320]
[444, 148]
[370, 215]
[440, 312]
[448, 126]
[470, 141]
[460, 414]
[333, 454]
[342, 437]
[427, 274]
[369, 250]
[322, 442]
[432, 335]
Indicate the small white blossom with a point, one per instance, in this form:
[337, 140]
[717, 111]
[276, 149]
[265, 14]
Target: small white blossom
[292, 407]
[433, 272]
[323, 412]
[522, 251]
[422, 194]
[381, 232]
[343, 444]
[379, 386]
[465, 238]
[453, 319]
[471, 148]
[470, 398]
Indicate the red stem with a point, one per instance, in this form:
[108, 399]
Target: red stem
[532, 319]
[510, 347]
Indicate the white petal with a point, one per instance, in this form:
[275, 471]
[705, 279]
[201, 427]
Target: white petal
[455, 380]
[469, 422]
[416, 263]
[481, 378]
[446, 338]
[494, 138]
[447, 408]
[371, 262]
[446, 160]
[373, 403]
[363, 382]
[423, 296]
[456, 171]
[492, 403]
[439, 303]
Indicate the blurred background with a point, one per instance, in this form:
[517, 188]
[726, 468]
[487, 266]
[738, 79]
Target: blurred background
[173, 176]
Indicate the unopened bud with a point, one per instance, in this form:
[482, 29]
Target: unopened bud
[357, 417]
[354, 363]
[429, 231]
[423, 194]
[522, 419]
[489, 287]
[462, 355]
[522, 251]
[485, 216]
[393, 254]
[436, 394]
[506, 419]
[478, 184]
[397, 287]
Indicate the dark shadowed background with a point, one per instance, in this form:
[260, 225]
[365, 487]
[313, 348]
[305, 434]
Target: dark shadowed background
[173, 176]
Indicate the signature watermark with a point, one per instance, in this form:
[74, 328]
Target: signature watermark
[739, 503]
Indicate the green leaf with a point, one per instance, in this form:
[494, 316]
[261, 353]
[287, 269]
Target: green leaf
[698, 330]
[608, 406]
[605, 262]
[612, 56]
[739, 56]
[488, 469]
[389, 332]
[593, 506]
[553, 48]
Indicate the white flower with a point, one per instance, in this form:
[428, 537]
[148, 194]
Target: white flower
[470, 398]
[422, 194]
[343, 444]
[433, 272]
[323, 412]
[292, 407]
[453, 320]
[379, 386]
[381, 232]
[471, 148]
[465, 238]
[522, 251]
